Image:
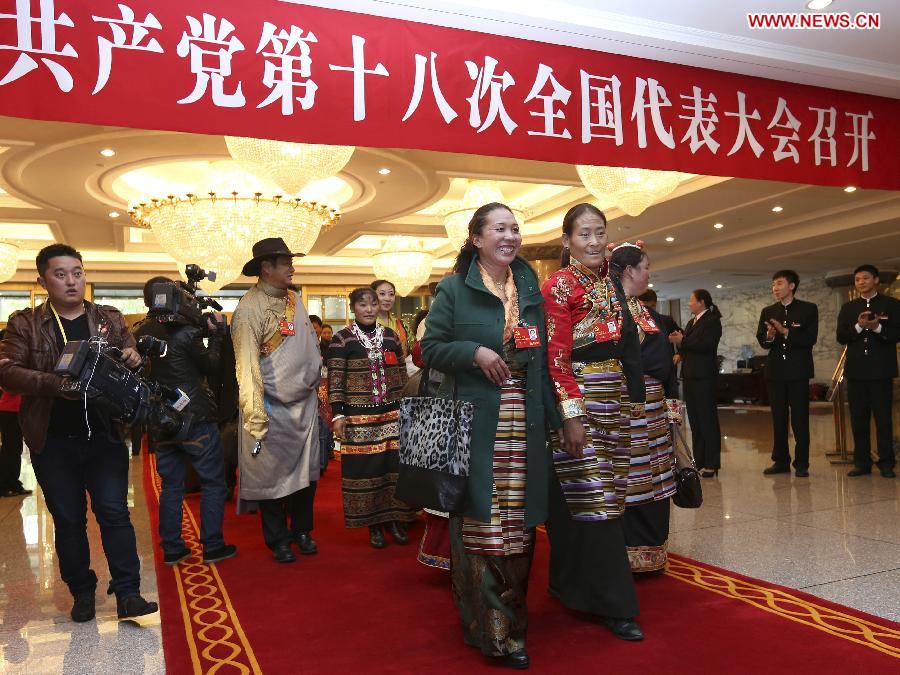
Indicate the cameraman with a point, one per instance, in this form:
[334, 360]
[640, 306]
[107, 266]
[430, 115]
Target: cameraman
[73, 447]
[185, 366]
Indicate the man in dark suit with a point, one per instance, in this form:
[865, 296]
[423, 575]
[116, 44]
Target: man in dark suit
[788, 330]
[870, 327]
[669, 325]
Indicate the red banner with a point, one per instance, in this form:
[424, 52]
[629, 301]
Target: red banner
[287, 71]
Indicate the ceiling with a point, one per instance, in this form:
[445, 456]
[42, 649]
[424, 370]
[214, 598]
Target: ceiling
[54, 184]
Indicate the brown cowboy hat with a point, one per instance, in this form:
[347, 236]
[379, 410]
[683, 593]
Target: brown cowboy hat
[266, 248]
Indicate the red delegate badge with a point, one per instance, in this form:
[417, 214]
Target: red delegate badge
[647, 324]
[527, 336]
[390, 358]
[287, 327]
[604, 331]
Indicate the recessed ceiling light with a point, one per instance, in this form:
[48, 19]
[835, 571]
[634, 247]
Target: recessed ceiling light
[718, 285]
[818, 4]
[849, 188]
[777, 209]
[384, 172]
[719, 226]
[114, 214]
[649, 285]
[670, 239]
[108, 152]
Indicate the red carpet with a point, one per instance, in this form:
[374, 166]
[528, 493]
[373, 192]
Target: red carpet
[353, 609]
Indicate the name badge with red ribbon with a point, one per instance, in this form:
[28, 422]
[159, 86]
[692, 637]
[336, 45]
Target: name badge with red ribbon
[647, 324]
[527, 336]
[390, 358]
[604, 331]
[286, 327]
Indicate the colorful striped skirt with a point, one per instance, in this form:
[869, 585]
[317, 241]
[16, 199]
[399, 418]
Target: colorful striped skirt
[434, 549]
[506, 534]
[595, 486]
[369, 465]
[650, 473]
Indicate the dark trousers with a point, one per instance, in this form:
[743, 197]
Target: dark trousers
[10, 451]
[790, 398]
[868, 398]
[700, 398]
[67, 468]
[275, 513]
[203, 449]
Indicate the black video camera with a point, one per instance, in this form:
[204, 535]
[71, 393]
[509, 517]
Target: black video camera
[94, 370]
[172, 301]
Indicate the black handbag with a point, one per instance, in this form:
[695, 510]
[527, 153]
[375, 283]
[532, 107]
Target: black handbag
[435, 438]
[688, 491]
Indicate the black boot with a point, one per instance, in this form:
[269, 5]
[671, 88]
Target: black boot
[517, 660]
[84, 608]
[306, 544]
[398, 531]
[376, 536]
[283, 553]
[133, 606]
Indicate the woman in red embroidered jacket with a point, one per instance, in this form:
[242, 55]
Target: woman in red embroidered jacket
[592, 347]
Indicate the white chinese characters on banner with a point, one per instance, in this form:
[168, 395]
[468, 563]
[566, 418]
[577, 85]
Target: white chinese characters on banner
[46, 23]
[207, 41]
[447, 112]
[601, 108]
[289, 59]
[42, 33]
[139, 31]
[359, 76]
[492, 85]
[702, 120]
[558, 94]
[658, 101]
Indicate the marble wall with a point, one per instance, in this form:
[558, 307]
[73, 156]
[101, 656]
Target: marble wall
[740, 313]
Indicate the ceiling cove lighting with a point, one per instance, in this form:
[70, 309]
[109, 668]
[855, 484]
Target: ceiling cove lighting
[108, 152]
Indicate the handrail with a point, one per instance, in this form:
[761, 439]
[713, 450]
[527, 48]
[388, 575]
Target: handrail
[837, 376]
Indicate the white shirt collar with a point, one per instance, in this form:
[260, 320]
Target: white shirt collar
[697, 318]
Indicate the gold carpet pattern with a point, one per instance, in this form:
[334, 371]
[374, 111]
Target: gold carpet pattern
[856, 629]
[215, 638]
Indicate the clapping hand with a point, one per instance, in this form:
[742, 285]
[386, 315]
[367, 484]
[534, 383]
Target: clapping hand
[675, 337]
[774, 326]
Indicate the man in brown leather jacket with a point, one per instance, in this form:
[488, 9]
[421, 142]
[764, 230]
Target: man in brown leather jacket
[74, 449]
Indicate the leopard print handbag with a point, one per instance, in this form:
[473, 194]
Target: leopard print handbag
[435, 437]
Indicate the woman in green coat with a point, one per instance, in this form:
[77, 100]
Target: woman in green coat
[486, 330]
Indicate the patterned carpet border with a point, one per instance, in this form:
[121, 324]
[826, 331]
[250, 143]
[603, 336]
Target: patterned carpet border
[789, 605]
[215, 638]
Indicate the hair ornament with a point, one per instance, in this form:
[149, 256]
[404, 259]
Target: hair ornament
[638, 244]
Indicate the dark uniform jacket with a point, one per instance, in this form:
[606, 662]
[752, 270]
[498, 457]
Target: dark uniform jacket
[187, 363]
[700, 346]
[870, 355]
[790, 358]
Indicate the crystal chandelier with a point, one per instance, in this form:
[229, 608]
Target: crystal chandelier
[9, 260]
[218, 230]
[291, 166]
[478, 193]
[227, 270]
[404, 262]
[632, 190]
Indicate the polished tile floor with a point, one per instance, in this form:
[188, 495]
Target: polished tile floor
[830, 535]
